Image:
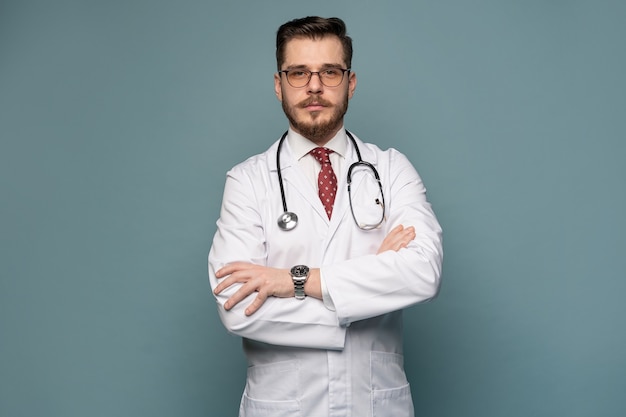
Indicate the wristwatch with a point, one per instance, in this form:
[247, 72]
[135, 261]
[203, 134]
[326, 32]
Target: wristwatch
[299, 274]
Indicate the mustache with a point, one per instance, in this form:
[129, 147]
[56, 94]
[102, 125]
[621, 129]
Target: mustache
[316, 100]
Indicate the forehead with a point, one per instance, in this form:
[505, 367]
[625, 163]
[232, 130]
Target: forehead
[313, 53]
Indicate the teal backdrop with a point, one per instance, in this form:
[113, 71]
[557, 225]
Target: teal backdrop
[119, 120]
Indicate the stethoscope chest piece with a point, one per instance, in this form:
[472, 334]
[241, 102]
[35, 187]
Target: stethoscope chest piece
[287, 221]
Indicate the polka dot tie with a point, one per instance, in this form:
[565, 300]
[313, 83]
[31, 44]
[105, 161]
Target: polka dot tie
[326, 181]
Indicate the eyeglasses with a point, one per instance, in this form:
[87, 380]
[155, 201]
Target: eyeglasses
[330, 77]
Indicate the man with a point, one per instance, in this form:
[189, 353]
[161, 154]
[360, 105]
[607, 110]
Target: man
[318, 301]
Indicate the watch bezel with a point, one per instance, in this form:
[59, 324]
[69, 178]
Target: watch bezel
[300, 271]
[299, 275]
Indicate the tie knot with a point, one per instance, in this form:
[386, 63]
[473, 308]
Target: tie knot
[321, 154]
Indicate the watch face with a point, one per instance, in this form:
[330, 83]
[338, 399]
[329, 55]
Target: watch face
[300, 271]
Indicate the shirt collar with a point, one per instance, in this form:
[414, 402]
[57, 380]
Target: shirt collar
[301, 146]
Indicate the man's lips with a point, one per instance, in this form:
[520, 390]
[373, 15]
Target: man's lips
[315, 104]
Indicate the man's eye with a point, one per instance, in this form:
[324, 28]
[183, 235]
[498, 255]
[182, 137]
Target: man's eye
[298, 74]
[331, 72]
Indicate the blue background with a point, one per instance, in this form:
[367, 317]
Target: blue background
[119, 120]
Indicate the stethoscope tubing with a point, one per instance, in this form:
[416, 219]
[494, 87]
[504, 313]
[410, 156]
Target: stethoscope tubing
[288, 220]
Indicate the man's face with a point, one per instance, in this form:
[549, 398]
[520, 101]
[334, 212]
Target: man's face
[315, 111]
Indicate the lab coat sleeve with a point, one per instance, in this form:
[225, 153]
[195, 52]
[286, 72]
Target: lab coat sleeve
[372, 285]
[240, 237]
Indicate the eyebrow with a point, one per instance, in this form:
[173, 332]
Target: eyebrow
[296, 67]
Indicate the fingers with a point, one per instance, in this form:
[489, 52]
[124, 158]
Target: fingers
[403, 238]
[242, 293]
[234, 272]
[256, 304]
[253, 278]
[396, 229]
[238, 296]
[233, 267]
[399, 237]
[233, 278]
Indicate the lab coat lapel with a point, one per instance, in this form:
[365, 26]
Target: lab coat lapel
[296, 182]
[341, 207]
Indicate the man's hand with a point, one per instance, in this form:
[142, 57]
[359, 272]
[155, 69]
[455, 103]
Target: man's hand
[266, 281]
[397, 239]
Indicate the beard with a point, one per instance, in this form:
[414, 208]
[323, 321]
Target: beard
[316, 130]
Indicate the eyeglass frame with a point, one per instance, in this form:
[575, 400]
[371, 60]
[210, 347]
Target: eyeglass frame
[343, 74]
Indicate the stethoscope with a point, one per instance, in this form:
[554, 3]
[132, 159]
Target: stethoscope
[289, 220]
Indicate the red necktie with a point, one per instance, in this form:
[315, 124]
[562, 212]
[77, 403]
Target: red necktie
[326, 181]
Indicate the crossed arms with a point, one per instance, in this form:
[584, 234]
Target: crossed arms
[274, 282]
[255, 293]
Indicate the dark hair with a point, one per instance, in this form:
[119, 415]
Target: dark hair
[313, 27]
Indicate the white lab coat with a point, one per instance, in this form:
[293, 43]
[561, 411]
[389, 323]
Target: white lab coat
[304, 358]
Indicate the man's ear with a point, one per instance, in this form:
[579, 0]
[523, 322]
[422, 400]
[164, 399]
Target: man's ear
[278, 88]
[351, 84]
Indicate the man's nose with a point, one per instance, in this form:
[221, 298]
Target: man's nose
[315, 83]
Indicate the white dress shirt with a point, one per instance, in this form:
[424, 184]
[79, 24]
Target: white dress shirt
[301, 148]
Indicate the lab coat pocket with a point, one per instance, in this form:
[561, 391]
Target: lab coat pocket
[259, 408]
[272, 389]
[391, 393]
